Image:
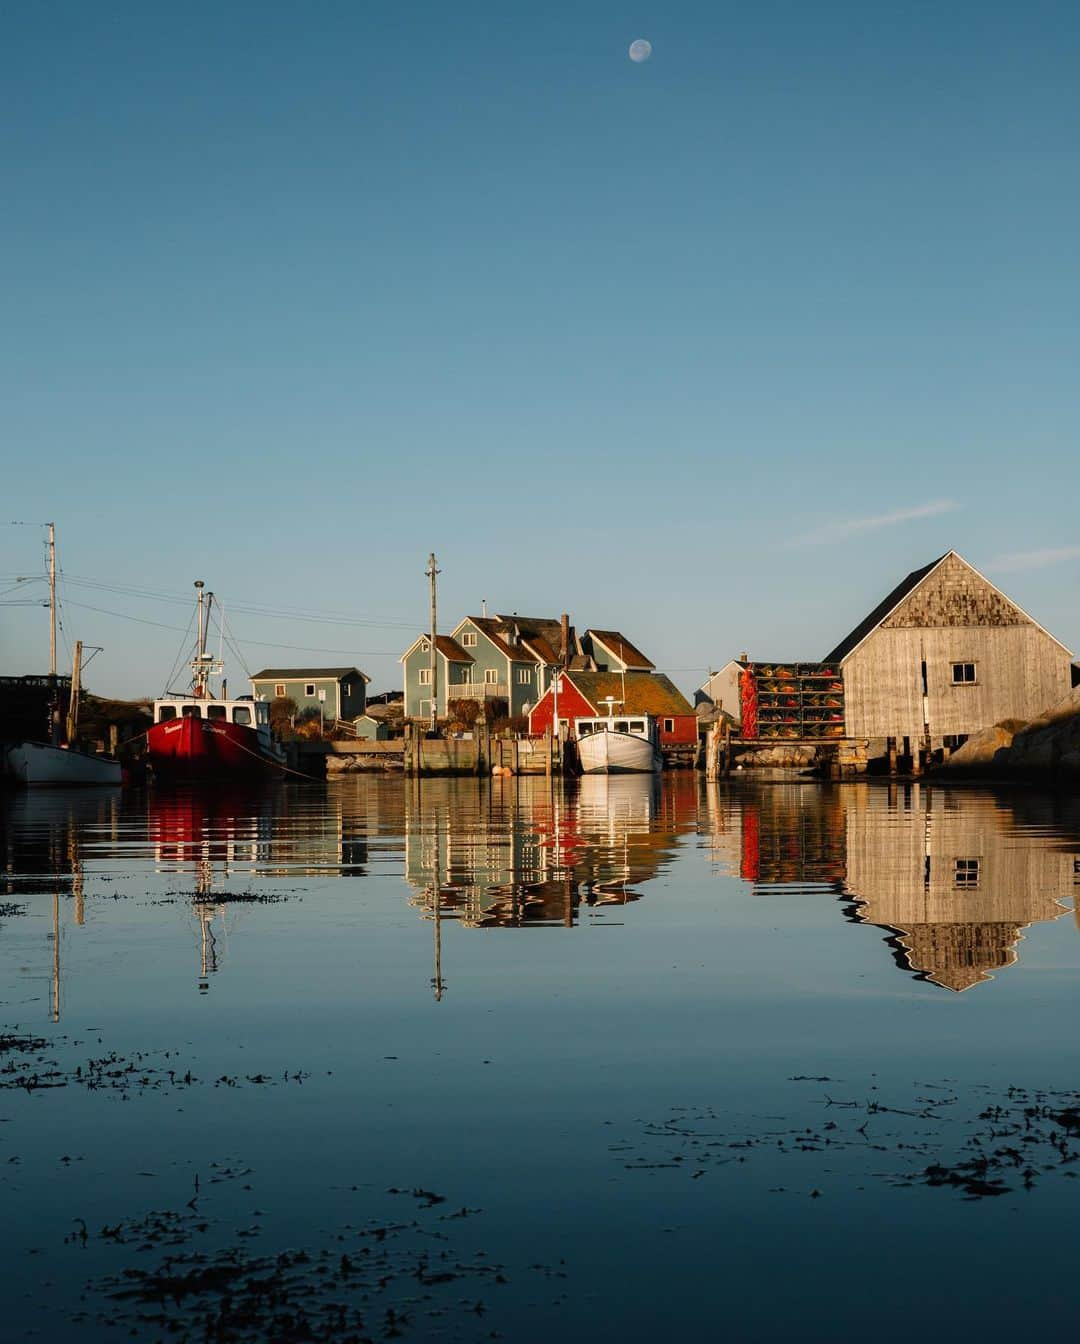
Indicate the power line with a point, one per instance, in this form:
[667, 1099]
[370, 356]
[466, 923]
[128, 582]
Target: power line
[247, 608]
[263, 643]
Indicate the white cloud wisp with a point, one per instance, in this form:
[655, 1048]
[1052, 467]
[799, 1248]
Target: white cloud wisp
[853, 527]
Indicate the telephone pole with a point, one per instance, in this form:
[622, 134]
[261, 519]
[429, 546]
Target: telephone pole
[431, 572]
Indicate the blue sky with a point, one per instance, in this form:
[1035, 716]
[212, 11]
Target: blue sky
[296, 294]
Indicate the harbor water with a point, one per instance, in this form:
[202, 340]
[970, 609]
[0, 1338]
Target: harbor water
[494, 1058]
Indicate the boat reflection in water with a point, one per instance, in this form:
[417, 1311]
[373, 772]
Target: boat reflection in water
[948, 874]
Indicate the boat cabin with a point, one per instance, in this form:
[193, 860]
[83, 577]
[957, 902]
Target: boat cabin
[637, 725]
[246, 713]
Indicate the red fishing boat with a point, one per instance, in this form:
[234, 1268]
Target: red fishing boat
[203, 736]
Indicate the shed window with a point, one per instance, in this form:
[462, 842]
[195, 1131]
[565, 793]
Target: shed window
[468, 639]
[165, 713]
[279, 690]
[491, 676]
[966, 872]
[309, 688]
[425, 676]
[524, 676]
[963, 674]
[669, 725]
[347, 688]
[241, 714]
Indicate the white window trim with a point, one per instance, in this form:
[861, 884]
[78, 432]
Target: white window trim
[468, 639]
[279, 690]
[491, 676]
[309, 688]
[425, 676]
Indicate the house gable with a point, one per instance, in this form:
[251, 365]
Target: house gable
[948, 593]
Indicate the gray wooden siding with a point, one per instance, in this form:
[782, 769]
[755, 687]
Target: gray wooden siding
[1020, 671]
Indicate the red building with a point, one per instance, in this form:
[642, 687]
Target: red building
[584, 695]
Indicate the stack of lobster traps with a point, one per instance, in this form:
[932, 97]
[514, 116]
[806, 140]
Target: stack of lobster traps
[793, 702]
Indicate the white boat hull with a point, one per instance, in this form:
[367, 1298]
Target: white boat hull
[34, 764]
[610, 753]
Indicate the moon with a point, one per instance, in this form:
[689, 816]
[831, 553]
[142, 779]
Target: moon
[640, 50]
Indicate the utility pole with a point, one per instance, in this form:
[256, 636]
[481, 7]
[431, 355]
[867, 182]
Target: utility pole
[431, 572]
[52, 599]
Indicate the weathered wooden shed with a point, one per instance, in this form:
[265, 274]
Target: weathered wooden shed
[945, 654]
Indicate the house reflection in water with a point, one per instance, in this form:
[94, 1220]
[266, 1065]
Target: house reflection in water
[952, 878]
[530, 856]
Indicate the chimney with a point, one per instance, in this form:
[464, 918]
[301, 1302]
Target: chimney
[564, 638]
[483, 607]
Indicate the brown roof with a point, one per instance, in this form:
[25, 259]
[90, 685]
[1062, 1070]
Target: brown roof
[619, 645]
[451, 649]
[543, 650]
[641, 693]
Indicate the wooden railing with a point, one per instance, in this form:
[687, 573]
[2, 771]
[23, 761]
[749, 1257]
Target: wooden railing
[478, 690]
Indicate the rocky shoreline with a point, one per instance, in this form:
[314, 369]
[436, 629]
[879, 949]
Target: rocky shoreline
[1044, 751]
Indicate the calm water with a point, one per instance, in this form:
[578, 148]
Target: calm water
[677, 1055]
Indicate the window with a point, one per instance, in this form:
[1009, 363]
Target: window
[524, 676]
[584, 729]
[491, 676]
[468, 639]
[465, 676]
[309, 688]
[191, 712]
[279, 690]
[966, 872]
[637, 726]
[963, 674]
[216, 712]
[241, 714]
[165, 713]
[347, 688]
[425, 676]
[621, 728]
[669, 725]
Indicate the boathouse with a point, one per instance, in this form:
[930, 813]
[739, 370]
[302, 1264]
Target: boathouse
[945, 654]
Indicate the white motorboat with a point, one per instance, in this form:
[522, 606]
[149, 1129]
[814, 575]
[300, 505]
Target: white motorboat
[619, 744]
[33, 764]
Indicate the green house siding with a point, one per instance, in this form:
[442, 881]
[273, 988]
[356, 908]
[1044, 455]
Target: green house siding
[417, 696]
[340, 699]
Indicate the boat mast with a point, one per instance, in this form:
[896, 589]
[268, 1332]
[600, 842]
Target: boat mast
[52, 599]
[73, 699]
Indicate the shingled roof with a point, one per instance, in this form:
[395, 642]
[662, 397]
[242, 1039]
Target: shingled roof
[653, 694]
[871, 622]
[306, 673]
[621, 647]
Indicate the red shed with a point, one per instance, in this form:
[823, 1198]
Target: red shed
[582, 695]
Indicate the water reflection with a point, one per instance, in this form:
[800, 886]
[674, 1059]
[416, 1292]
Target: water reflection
[951, 877]
[954, 877]
[533, 856]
